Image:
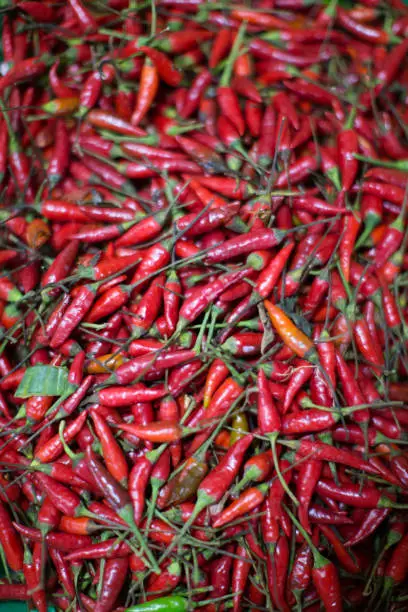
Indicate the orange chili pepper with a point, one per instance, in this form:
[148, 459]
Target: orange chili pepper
[293, 337]
[61, 106]
[105, 363]
[37, 233]
[149, 84]
[223, 440]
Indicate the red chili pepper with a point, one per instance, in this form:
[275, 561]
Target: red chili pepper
[7, 43]
[301, 574]
[64, 572]
[351, 389]
[114, 577]
[114, 458]
[111, 548]
[85, 19]
[360, 30]
[10, 541]
[345, 558]
[353, 495]
[226, 97]
[64, 499]
[16, 592]
[371, 521]
[225, 396]
[219, 47]
[155, 432]
[308, 476]
[108, 121]
[326, 581]
[390, 309]
[138, 480]
[184, 40]
[390, 241]
[33, 581]
[256, 469]
[73, 315]
[268, 416]
[385, 191]
[200, 300]
[277, 569]
[397, 567]
[24, 70]
[58, 87]
[165, 68]
[351, 226]
[239, 576]
[196, 93]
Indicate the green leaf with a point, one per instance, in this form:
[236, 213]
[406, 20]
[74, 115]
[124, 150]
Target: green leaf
[45, 380]
[288, 305]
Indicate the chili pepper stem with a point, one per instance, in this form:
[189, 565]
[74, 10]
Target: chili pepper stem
[368, 229]
[273, 437]
[401, 164]
[226, 75]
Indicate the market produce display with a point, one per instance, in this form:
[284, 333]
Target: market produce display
[203, 305]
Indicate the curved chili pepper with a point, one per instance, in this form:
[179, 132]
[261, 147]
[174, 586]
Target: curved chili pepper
[173, 603]
[295, 339]
[73, 315]
[246, 502]
[370, 523]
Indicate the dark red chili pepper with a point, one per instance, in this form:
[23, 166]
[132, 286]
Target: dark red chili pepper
[369, 524]
[301, 574]
[111, 548]
[114, 577]
[353, 495]
[397, 567]
[24, 70]
[360, 30]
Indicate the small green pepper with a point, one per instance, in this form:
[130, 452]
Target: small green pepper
[174, 603]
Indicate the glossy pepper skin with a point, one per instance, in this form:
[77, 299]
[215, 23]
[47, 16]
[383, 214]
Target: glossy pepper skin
[203, 223]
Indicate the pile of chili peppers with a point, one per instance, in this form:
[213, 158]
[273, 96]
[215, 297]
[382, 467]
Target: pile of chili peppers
[203, 305]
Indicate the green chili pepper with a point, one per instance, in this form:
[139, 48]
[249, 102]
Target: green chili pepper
[174, 603]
